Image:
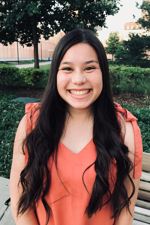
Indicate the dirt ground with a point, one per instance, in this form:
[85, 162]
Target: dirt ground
[132, 99]
[138, 100]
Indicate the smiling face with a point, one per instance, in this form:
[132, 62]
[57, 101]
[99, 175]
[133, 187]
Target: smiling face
[79, 77]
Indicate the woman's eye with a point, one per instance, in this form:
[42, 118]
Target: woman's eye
[67, 69]
[90, 68]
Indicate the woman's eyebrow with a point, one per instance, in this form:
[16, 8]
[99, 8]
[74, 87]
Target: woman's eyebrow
[66, 63]
[87, 62]
[91, 61]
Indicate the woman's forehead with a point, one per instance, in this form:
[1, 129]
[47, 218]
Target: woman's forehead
[80, 52]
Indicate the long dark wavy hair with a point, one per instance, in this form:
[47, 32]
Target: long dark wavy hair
[42, 142]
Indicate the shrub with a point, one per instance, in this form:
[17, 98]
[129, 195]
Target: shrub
[143, 116]
[8, 75]
[10, 116]
[129, 79]
[25, 77]
[32, 76]
[112, 62]
[4, 62]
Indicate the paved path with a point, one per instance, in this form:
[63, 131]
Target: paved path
[26, 100]
[32, 65]
[5, 211]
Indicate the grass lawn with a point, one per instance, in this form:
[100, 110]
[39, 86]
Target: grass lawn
[21, 62]
[45, 67]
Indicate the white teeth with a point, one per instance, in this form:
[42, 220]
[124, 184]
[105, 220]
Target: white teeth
[79, 92]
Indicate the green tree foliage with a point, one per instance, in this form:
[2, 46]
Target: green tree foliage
[134, 51]
[26, 20]
[145, 20]
[112, 43]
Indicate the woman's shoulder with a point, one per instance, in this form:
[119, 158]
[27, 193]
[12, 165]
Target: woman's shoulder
[20, 135]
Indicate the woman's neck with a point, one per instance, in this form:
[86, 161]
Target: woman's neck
[80, 115]
[78, 121]
[78, 130]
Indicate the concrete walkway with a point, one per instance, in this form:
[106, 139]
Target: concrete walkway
[32, 65]
[26, 100]
[6, 217]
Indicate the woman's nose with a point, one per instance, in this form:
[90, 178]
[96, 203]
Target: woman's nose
[78, 78]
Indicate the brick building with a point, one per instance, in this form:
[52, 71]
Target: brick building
[45, 47]
[132, 26]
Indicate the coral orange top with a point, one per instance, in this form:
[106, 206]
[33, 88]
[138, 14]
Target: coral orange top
[67, 196]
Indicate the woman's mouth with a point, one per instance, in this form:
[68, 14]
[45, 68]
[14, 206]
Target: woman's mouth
[79, 93]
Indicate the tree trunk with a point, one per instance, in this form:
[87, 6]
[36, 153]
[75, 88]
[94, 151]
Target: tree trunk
[112, 57]
[35, 44]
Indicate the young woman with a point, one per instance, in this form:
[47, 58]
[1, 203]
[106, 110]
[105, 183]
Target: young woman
[81, 158]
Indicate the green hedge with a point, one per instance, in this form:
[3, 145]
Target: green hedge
[129, 79]
[143, 116]
[34, 77]
[25, 77]
[8, 75]
[10, 116]
[123, 78]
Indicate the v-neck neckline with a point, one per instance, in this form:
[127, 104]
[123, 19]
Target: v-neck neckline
[81, 151]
